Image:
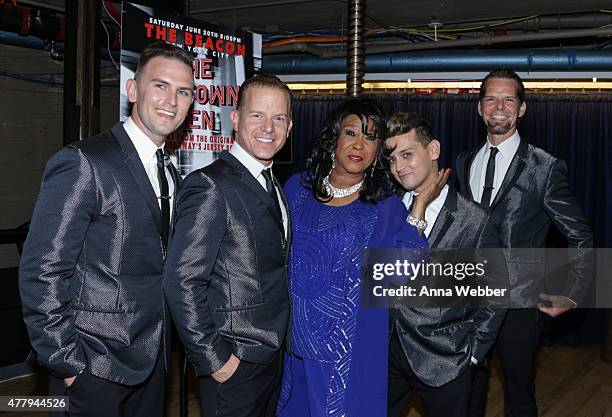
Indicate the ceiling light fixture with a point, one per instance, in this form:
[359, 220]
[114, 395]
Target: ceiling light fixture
[447, 85]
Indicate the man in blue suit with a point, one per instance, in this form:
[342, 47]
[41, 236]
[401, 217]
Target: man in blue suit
[91, 271]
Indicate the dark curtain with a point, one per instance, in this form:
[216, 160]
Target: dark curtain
[574, 127]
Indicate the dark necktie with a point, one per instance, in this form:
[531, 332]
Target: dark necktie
[485, 201]
[272, 191]
[267, 173]
[164, 197]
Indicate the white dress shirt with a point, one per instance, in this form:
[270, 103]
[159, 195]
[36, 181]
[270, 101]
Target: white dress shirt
[432, 210]
[507, 150]
[255, 168]
[146, 151]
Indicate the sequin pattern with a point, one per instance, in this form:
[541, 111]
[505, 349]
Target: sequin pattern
[324, 273]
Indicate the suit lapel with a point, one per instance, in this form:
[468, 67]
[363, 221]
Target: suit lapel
[138, 172]
[516, 167]
[466, 170]
[250, 181]
[286, 204]
[176, 178]
[444, 220]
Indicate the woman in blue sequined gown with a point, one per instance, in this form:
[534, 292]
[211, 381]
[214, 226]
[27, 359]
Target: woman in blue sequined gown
[342, 204]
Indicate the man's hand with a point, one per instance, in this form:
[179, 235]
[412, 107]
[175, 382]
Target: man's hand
[227, 370]
[559, 304]
[68, 381]
[429, 194]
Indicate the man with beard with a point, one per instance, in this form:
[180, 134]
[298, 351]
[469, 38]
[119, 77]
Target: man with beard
[526, 189]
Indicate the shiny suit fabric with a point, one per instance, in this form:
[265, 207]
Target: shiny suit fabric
[534, 193]
[439, 342]
[226, 275]
[91, 271]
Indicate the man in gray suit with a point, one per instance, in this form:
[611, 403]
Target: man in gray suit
[226, 277]
[433, 351]
[527, 189]
[91, 272]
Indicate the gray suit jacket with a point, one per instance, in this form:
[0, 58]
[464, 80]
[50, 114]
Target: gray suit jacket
[91, 272]
[534, 193]
[226, 276]
[439, 342]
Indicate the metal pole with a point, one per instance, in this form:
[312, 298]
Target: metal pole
[81, 70]
[355, 53]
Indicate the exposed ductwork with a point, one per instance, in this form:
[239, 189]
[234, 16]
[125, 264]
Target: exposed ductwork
[10, 38]
[35, 29]
[486, 40]
[474, 60]
[519, 60]
[556, 22]
[35, 25]
[44, 24]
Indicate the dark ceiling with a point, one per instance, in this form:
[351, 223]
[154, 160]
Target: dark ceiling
[273, 16]
[305, 15]
[317, 27]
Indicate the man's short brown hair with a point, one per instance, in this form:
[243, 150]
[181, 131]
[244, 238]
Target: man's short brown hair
[165, 50]
[404, 122]
[263, 80]
[504, 74]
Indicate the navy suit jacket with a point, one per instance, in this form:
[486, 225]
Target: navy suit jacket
[91, 272]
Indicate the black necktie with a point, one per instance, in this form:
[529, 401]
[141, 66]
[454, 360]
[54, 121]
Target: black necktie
[164, 197]
[272, 191]
[267, 173]
[485, 201]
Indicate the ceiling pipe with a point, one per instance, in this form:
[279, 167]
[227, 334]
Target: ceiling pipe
[44, 24]
[519, 60]
[41, 4]
[251, 6]
[551, 22]
[32, 42]
[355, 48]
[297, 47]
[483, 41]
[486, 40]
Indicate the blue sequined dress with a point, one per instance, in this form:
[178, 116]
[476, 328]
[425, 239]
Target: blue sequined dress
[338, 361]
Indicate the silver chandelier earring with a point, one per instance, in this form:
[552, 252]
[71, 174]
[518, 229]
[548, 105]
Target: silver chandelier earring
[371, 173]
[333, 158]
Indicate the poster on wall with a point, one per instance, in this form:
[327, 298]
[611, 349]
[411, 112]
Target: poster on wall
[223, 59]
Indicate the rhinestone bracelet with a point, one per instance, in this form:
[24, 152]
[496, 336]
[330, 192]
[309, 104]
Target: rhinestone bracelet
[419, 224]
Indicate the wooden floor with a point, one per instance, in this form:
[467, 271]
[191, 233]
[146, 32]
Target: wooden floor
[571, 382]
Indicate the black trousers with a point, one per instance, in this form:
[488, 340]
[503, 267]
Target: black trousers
[252, 391]
[517, 347]
[90, 396]
[449, 400]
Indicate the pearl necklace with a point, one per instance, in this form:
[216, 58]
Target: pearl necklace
[340, 192]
